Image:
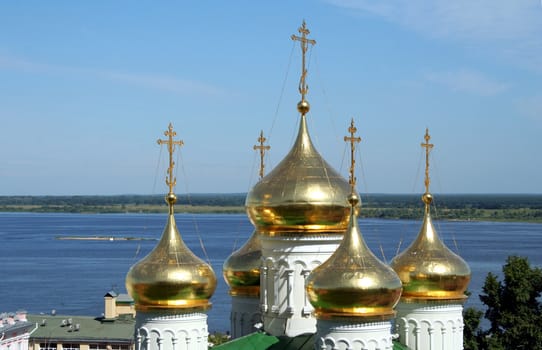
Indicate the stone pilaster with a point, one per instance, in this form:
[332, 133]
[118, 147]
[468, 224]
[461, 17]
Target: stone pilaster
[287, 261]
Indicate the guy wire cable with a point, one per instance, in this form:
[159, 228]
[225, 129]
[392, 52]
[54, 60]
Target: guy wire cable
[281, 93]
[180, 159]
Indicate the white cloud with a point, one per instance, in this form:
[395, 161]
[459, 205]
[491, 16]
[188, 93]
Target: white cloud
[468, 81]
[495, 19]
[150, 81]
[511, 27]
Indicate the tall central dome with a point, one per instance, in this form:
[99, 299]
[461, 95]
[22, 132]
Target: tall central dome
[303, 194]
[300, 211]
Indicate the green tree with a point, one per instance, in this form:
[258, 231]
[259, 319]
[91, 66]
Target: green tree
[513, 309]
[471, 331]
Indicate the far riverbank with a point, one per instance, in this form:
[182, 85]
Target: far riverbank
[463, 207]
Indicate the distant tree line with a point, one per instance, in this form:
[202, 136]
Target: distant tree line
[488, 207]
[228, 199]
[494, 207]
[457, 201]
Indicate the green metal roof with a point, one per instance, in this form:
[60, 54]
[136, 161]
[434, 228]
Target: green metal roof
[251, 341]
[124, 299]
[262, 341]
[303, 341]
[90, 330]
[399, 346]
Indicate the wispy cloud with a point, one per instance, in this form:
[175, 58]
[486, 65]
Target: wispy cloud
[166, 83]
[385, 9]
[512, 27]
[149, 81]
[20, 64]
[468, 81]
[495, 19]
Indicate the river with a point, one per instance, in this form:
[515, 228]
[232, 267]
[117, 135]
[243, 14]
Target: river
[39, 272]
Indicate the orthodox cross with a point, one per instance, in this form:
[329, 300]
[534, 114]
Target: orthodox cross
[303, 88]
[262, 149]
[353, 140]
[170, 180]
[427, 147]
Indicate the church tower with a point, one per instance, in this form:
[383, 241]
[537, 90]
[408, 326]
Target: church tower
[171, 286]
[353, 292]
[301, 213]
[430, 313]
[241, 272]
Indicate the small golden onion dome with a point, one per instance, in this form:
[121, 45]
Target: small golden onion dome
[241, 270]
[171, 276]
[428, 269]
[302, 194]
[353, 282]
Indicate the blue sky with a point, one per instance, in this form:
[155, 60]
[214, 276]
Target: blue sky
[86, 88]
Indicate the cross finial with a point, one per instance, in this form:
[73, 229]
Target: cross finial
[304, 42]
[170, 180]
[428, 146]
[262, 149]
[353, 140]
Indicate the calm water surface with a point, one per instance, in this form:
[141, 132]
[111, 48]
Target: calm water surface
[39, 273]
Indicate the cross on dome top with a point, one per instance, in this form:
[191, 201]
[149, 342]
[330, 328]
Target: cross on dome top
[353, 140]
[171, 181]
[428, 146]
[303, 106]
[262, 149]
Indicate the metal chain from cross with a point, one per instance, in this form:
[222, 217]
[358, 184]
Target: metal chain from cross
[262, 149]
[170, 180]
[353, 140]
[428, 146]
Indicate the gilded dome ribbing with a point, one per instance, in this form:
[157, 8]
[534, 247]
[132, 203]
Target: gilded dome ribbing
[427, 268]
[171, 276]
[353, 282]
[303, 194]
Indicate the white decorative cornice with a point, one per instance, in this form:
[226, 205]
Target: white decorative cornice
[427, 327]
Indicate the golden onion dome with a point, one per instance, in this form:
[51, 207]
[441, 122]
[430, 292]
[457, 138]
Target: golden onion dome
[353, 282]
[303, 194]
[171, 276]
[241, 270]
[428, 269]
